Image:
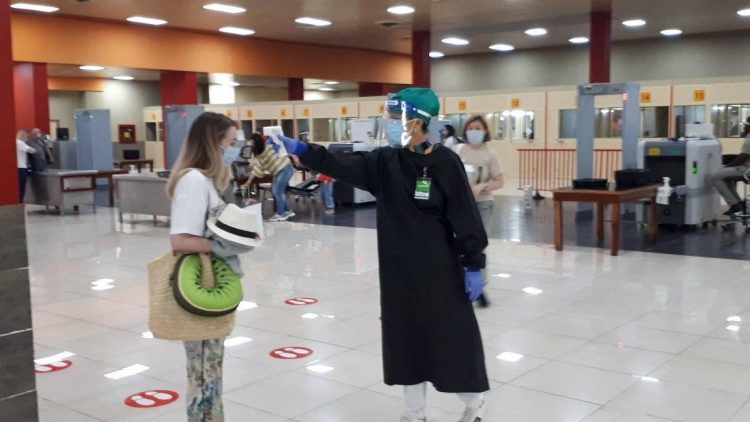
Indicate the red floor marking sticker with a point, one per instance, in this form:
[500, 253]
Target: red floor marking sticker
[294, 352]
[298, 301]
[52, 367]
[151, 398]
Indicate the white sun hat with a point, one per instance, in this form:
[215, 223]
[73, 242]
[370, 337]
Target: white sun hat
[241, 226]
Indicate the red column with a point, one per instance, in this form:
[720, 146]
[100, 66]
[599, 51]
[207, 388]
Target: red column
[177, 88]
[32, 105]
[296, 89]
[372, 89]
[420, 58]
[600, 46]
[8, 165]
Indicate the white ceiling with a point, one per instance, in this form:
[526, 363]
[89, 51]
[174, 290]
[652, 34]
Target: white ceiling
[484, 22]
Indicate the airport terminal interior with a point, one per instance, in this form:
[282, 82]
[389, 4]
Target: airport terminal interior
[209, 211]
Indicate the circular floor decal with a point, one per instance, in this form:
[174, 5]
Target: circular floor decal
[52, 367]
[152, 398]
[294, 352]
[299, 301]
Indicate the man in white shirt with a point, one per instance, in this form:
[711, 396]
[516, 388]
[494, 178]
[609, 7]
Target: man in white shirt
[22, 151]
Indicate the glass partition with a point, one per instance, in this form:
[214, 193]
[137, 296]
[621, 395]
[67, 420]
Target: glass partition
[324, 130]
[728, 119]
[568, 124]
[654, 122]
[686, 115]
[522, 124]
[287, 125]
[303, 125]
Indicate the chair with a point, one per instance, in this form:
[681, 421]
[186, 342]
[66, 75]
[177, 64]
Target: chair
[742, 217]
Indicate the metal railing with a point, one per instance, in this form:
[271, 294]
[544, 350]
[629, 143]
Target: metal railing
[548, 169]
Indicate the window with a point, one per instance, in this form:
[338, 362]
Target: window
[568, 123]
[522, 124]
[685, 115]
[608, 122]
[729, 119]
[654, 122]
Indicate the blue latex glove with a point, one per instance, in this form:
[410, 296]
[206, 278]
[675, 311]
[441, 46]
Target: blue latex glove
[474, 283]
[294, 146]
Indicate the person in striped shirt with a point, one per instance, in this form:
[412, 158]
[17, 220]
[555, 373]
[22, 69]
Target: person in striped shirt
[268, 161]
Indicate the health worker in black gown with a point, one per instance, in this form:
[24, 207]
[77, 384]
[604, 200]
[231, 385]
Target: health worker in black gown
[430, 245]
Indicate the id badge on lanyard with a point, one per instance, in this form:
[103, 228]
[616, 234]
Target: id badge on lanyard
[424, 186]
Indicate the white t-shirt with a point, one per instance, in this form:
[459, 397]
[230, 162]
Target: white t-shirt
[21, 154]
[482, 165]
[194, 196]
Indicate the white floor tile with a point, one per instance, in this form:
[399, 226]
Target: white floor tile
[549, 346]
[517, 404]
[716, 375]
[649, 339]
[624, 360]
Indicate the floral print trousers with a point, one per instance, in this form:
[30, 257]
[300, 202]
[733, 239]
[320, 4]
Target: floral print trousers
[204, 363]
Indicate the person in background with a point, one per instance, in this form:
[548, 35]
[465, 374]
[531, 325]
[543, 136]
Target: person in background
[267, 161]
[201, 172]
[430, 251]
[449, 137]
[22, 159]
[724, 180]
[483, 170]
[326, 193]
[43, 158]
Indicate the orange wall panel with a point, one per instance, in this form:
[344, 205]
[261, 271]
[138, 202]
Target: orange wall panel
[67, 40]
[75, 84]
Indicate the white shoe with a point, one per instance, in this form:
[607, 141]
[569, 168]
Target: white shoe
[410, 419]
[330, 211]
[474, 414]
[289, 214]
[276, 218]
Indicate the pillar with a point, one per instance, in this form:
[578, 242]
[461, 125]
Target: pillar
[420, 58]
[177, 88]
[600, 46]
[296, 89]
[372, 89]
[18, 401]
[32, 101]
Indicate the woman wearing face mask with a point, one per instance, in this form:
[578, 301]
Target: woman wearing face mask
[197, 178]
[267, 161]
[449, 137]
[430, 247]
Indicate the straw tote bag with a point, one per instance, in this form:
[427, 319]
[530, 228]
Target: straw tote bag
[167, 319]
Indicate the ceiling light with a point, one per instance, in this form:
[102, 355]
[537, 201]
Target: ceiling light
[510, 357]
[502, 47]
[124, 78]
[455, 41]
[536, 32]
[436, 54]
[35, 7]
[236, 31]
[401, 10]
[146, 21]
[744, 12]
[127, 372]
[671, 32]
[634, 23]
[230, 84]
[325, 88]
[533, 291]
[91, 68]
[330, 83]
[312, 21]
[218, 7]
[578, 40]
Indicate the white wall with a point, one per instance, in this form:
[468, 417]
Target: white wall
[125, 101]
[254, 94]
[62, 105]
[700, 56]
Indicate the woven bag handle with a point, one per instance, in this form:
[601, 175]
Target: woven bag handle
[207, 277]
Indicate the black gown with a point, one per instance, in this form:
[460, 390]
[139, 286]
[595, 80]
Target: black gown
[430, 332]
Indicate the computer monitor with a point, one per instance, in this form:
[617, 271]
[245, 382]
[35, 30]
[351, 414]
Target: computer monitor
[131, 154]
[62, 134]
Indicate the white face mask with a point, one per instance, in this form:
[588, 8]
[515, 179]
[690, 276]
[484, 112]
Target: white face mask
[475, 136]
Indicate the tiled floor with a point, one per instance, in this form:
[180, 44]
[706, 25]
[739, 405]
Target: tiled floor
[639, 337]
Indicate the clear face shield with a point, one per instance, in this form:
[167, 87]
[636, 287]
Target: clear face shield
[396, 120]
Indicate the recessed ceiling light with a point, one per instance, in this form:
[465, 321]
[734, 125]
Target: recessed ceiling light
[326, 89]
[436, 54]
[229, 84]
[455, 41]
[218, 7]
[671, 32]
[401, 10]
[312, 21]
[634, 23]
[578, 40]
[91, 68]
[236, 31]
[331, 82]
[502, 47]
[146, 21]
[35, 7]
[536, 32]
[744, 12]
[124, 78]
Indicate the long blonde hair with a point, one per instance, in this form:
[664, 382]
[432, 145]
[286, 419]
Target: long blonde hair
[201, 151]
